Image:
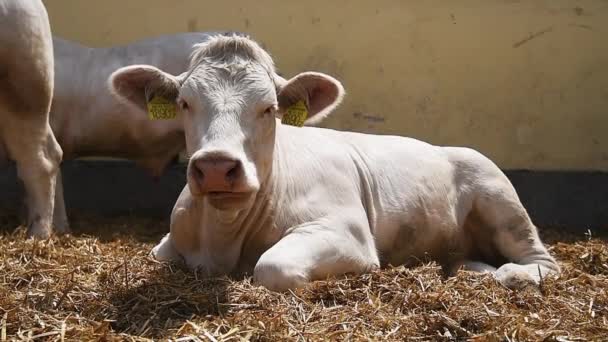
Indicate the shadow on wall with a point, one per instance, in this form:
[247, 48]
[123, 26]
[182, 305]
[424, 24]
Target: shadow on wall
[107, 187]
[575, 201]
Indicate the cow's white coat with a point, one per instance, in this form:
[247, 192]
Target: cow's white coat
[310, 202]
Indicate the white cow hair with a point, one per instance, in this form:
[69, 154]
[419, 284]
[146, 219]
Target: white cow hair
[237, 55]
[317, 202]
[224, 51]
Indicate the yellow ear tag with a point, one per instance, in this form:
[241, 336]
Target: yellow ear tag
[295, 115]
[159, 108]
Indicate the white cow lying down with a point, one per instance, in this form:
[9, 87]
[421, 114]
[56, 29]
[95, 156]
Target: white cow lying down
[297, 204]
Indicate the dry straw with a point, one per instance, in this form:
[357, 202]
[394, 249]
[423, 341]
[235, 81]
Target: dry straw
[101, 285]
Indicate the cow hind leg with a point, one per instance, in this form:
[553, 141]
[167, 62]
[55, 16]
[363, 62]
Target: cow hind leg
[530, 261]
[478, 266]
[514, 237]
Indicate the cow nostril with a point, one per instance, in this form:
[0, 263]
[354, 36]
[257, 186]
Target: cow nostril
[198, 172]
[233, 173]
[216, 174]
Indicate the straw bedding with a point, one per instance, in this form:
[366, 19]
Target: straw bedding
[100, 284]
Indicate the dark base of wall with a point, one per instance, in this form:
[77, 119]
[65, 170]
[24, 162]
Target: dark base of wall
[575, 201]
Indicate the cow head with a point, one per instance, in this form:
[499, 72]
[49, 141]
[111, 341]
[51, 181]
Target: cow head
[229, 102]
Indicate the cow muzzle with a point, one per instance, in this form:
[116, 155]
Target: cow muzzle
[216, 174]
[219, 177]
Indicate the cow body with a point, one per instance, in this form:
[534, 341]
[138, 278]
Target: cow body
[291, 204]
[26, 89]
[88, 121]
[372, 200]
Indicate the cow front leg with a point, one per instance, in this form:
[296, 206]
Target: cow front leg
[165, 251]
[184, 229]
[60, 217]
[37, 155]
[313, 252]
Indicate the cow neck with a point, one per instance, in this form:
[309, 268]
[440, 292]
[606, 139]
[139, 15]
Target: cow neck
[245, 221]
[260, 214]
[255, 222]
[241, 235]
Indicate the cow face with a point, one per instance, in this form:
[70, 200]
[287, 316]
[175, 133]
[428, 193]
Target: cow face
[229, 102]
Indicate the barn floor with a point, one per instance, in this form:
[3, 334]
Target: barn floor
[100, 284]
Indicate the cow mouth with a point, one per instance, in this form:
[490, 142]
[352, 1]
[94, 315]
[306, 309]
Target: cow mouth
[227, 200]
[226, 194]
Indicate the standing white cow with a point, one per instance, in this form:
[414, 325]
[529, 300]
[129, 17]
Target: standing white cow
[26, 89]
[88, 121]
[297, 204]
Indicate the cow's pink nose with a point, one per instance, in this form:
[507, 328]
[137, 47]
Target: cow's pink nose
[217, 174]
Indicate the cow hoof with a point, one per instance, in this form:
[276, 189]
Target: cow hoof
[515, 277]
[153, 253]
[165, 251]
[278, 278]
[62, 227]
[38, 231]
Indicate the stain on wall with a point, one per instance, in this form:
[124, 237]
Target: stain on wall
[524, 82]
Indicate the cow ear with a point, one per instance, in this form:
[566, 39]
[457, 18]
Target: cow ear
[137, 84]
[319, 92]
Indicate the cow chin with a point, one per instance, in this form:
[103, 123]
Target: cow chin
[230, 201]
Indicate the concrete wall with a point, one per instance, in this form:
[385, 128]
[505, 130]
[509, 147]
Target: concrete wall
[525, 82]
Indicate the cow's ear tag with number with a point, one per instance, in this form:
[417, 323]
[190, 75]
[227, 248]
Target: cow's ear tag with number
[295, 115]
[159, 108]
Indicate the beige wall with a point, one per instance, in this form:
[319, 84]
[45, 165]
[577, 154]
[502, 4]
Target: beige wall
[525, 82]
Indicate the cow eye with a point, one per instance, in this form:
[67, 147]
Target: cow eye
[270, 110]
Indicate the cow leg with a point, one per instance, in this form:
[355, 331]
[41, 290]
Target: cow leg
[476, 266]
[313, 251]
[37, 155]
[530, 260]
[165, 251]
[184, 230]
[60, 217]
[515, 237]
